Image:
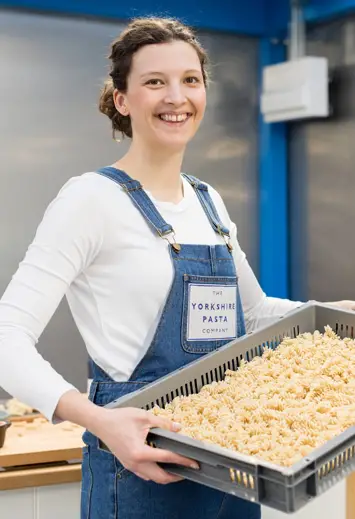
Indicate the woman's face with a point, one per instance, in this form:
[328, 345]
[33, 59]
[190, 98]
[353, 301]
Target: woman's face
[166, 95]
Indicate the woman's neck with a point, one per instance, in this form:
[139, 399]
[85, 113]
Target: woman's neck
[158, 171]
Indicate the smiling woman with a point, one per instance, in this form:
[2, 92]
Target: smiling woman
[150, 263]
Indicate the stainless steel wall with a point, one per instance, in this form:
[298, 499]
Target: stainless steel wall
[322, 178]
[50, 130]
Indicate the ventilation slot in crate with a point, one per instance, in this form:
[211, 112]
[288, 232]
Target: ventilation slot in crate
[257, 351]
[221, 372]
[165, 399]
[261, 348]
[276, 341]
[344, 330]
[242, 479]
[215, 375]
[273, 344]
[336, 463]
[188, 389]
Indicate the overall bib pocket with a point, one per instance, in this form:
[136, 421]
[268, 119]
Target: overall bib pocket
[210, 312]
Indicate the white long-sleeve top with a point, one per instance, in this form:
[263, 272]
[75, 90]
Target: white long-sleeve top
[95, 247]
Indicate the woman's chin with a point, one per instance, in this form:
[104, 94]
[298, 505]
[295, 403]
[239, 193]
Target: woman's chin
[173, 142]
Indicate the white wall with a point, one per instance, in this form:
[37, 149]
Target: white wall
[52, 502]
[63, 501]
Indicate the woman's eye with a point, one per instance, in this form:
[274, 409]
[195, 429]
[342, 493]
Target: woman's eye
[192, 79]
[154, 82]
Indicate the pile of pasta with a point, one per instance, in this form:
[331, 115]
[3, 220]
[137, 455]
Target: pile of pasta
[14, 407]
[279, 407]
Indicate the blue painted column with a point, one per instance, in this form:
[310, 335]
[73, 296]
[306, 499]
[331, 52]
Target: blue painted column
[273, 189]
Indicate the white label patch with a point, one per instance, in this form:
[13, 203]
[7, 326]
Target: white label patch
[212, 312]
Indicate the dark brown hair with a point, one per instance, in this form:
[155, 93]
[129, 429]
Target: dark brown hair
[141, 32]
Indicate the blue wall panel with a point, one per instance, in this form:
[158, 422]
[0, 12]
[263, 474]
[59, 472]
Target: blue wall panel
[242, 16]
[318, 10]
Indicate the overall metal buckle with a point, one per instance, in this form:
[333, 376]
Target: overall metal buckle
[226, 238]
[170, 238]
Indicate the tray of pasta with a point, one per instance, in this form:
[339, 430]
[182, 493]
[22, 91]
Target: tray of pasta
[269, 417]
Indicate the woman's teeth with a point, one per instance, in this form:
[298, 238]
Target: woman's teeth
[175, 118]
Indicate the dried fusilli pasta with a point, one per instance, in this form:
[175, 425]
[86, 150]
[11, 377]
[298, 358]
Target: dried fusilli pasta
[280, 406]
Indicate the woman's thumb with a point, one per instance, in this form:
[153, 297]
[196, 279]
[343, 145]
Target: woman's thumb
[163, 423]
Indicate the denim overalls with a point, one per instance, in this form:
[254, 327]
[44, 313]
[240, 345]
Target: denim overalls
[185, 332]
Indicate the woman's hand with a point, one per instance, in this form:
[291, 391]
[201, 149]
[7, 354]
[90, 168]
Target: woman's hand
[125, 430]
[344, 305]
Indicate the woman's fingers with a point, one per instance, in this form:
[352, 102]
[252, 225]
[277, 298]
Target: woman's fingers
[164, 456]
[152, 472]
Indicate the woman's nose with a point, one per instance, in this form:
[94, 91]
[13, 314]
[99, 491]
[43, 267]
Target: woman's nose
[175, 95]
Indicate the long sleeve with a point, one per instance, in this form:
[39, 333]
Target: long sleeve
[66, 241]
[259, 309]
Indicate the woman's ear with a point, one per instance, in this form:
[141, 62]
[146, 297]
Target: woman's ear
[120, 102]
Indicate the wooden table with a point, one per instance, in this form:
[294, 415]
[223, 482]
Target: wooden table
[37, 453]
[350, 497]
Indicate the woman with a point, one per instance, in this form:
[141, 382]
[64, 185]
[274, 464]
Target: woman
[126, 258]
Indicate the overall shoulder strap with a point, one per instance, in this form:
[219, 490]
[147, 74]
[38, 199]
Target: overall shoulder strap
[206, 201]
[140, 198]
